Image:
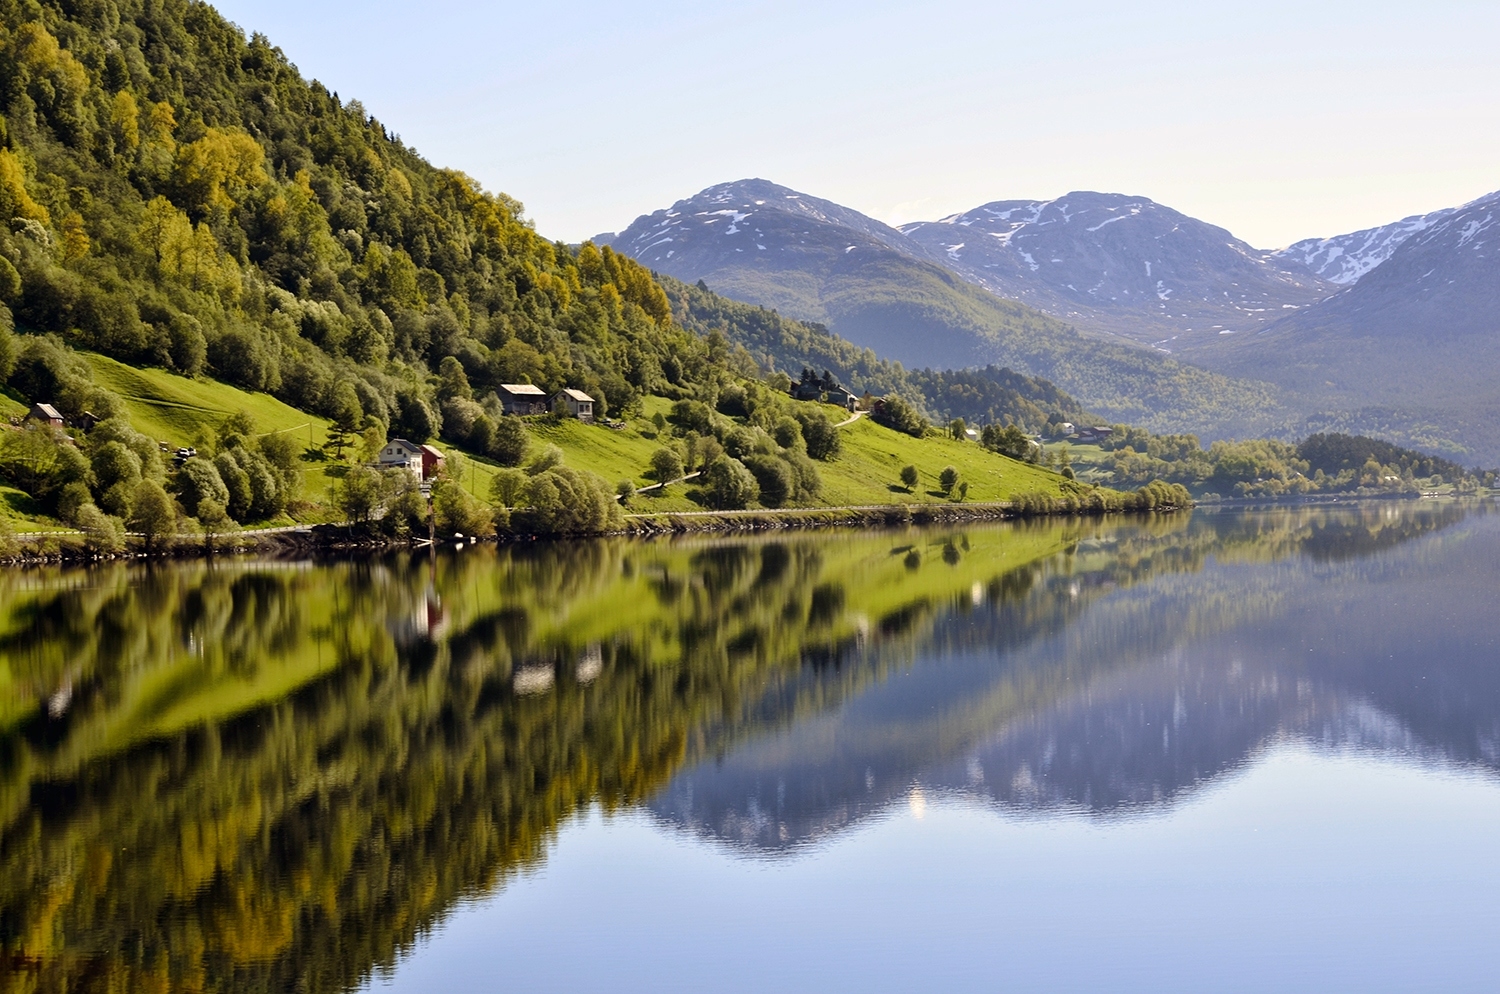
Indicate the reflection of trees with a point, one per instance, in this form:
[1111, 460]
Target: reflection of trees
[274, 777]
[248, 777]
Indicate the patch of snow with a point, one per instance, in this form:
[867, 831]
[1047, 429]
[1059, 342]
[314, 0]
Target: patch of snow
[1030, 261]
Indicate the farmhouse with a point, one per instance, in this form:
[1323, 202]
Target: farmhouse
[522, 398]
[46, 414]
[398, 452]
[575, 402]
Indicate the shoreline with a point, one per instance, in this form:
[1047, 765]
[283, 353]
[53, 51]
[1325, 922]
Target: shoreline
[68, 548]
[58, 547]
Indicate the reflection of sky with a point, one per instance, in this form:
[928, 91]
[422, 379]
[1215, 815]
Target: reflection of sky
[1311, 870]
[1260, 775]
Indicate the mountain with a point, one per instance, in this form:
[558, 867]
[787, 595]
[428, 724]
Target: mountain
[1121, 265]
[1343, 259]
[980, 396]
[1410, 350]
[879, 288]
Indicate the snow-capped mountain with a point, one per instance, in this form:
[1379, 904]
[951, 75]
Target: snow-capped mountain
[1416, 339]
[1344, 259]
[1122, 265]
[814, 260]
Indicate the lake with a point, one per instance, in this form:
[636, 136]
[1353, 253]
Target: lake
[1231, 750]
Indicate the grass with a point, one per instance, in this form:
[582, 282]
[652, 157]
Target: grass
[184, 411]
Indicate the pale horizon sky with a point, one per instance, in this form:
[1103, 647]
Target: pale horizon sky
[1276, 120]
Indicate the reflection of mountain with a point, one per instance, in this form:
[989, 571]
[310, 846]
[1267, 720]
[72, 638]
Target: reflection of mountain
[258, 777]
[1150, 689]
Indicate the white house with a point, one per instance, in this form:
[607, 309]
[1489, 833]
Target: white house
[576, 402]
[398, 452]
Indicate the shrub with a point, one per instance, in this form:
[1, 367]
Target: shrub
[822, 438]
[895, 412]
[773, 478]
[908, 477]
[728, 485]
[566, 501]
[509, 441]
[199, 479]
[666, 465]
[947, 479]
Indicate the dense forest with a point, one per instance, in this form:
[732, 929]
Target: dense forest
[182, 197]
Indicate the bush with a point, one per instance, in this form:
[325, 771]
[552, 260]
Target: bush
[509, 441]
[894, 412]
[102, 533]
[908, 477]
[455, 511]
[666, 465]
[1010, 441]
[948, 479]
[822, 438]
[152, 514]
[199, 479]
[773, 478]
[728, 485]
[564, 501]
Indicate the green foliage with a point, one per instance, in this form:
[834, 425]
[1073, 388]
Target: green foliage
[509, 441]
[666, 465]
[947, 479]
[728, 485]
[184, 199]
[1009, 440]
[198, 480]
[908, 477]
[819, 434]
[896, 413]
[566, 501]
[152, 514]
[775, 481]
[457, 512]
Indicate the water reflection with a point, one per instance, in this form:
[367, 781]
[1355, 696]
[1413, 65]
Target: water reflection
[255, 776]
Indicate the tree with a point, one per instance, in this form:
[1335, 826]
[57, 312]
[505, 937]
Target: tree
[509, 441]
[948, 479]
[958, 429]
[199, 479]
[357, 495]
[773, 477]
[456, 512]
[152, 514]
[822, 438]
[895, 412]
[908, 477]
[347, 416]
[625, 490]
[963, 490]
[666, 466]
[1009, 440]
[548, 459]
[728, 484]
[507, 486]
[102, 533]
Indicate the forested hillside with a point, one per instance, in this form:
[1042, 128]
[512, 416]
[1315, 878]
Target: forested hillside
[182, 197]
[984, 396]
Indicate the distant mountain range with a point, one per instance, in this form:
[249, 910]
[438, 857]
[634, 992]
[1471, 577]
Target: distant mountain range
[1388, 331]
[816, 261]
[1121, 265]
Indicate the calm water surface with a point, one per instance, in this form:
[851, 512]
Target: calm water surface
[1231, 751]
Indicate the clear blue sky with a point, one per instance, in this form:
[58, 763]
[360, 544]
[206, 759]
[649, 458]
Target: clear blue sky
[1278, 120]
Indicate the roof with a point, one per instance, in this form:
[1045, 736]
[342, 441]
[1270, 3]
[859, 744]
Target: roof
[578, 395]
[429, 450]
[47, 410]
[409, 446]
[523, 389]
